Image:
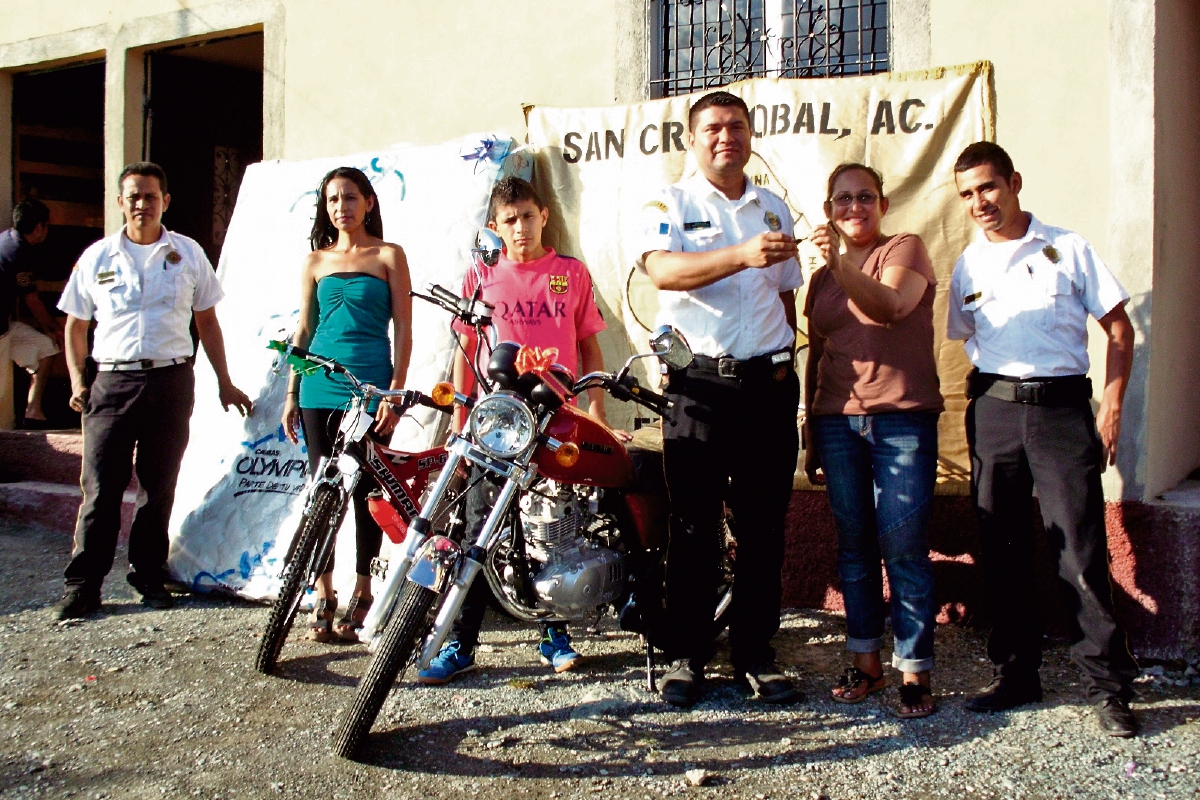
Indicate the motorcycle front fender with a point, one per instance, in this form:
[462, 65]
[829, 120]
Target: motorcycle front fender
[435, 563]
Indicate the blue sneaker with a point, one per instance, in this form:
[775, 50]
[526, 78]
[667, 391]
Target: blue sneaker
[448, 663]
[556, 649]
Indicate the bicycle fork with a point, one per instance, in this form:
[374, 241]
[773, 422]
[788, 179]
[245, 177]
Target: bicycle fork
[418, 531]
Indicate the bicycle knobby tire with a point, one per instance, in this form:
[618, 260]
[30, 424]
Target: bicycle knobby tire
[313, 526]
[395, 650]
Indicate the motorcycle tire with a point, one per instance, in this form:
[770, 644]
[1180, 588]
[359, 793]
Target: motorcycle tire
[725, 589]
[395, 650]
[313, 526]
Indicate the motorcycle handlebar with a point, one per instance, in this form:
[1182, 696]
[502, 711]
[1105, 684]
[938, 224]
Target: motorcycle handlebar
[464, 308]
[627, 389]
[652, 400]
[447, 297]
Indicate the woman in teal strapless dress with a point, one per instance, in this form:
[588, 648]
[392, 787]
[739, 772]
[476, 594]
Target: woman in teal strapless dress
[353, 284]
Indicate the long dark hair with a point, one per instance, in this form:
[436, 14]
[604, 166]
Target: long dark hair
[324, 234]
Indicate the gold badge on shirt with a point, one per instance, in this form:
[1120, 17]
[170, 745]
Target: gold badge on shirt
[173, 257]
[558, 284]
[1049, 252]
[773, 221]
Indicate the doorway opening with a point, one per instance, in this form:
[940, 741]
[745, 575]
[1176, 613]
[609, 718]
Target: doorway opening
[58, 159]
[204, 126]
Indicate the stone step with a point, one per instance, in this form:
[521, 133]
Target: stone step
[53, 505]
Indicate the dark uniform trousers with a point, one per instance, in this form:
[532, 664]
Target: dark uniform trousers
[1015, 447]
[148, 409]
[728, 442]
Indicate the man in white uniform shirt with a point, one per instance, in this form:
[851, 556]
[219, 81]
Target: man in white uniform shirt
[1020, 296]
[141, 285]
[721, 252]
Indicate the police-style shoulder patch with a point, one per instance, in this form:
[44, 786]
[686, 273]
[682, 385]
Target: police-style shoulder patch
[24, 279]
[558, 284]
[773, 221]
[657, 205]
[1051, 253]
[698, 225]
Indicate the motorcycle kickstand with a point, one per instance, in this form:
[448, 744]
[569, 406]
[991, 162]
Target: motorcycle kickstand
[650, 687]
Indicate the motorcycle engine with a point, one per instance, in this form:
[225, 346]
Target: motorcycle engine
[578, 572]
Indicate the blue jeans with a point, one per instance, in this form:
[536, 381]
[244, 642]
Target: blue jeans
[880, 471]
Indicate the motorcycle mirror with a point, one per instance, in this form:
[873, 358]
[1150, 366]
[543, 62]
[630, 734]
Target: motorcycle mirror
[670, 346]
[488, 246]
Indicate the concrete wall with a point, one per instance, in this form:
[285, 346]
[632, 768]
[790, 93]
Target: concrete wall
[1173, 441]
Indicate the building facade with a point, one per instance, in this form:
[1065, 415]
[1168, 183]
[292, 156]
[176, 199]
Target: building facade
[1098, 101]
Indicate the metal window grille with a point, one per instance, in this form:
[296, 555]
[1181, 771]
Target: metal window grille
[699, 44]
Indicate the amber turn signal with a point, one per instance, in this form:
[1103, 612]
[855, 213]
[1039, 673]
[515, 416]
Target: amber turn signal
[567, 454]
[443, 393]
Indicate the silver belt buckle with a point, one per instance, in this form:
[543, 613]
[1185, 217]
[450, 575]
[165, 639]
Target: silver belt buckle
[727, 367]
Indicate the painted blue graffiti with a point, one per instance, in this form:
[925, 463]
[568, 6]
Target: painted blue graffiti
[247, 564]
[278, 436]
[376, 171]
[489, 149]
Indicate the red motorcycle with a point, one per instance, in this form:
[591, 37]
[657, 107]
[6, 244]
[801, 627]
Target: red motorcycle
[578, 525]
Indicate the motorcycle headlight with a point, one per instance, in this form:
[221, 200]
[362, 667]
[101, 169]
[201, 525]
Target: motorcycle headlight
[503, 425]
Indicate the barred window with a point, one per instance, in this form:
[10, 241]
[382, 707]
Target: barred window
[698, 44]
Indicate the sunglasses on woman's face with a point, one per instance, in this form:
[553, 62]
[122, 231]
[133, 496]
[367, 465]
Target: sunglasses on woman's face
[846, 199]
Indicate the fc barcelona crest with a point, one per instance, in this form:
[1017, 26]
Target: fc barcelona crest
[558, 284]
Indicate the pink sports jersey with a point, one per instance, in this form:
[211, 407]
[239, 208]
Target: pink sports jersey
[542, 303]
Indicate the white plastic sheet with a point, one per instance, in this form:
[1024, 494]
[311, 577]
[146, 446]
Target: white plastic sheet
[237, 504]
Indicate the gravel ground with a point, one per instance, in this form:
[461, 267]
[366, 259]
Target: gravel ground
[138, 703]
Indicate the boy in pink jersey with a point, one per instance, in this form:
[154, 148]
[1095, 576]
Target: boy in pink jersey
[542, 300]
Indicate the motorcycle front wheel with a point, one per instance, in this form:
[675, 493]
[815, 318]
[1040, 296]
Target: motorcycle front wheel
[396, 645]
[315, 524]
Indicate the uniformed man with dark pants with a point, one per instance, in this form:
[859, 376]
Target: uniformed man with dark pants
[721, 252]
[1020, 296]
[142, 286]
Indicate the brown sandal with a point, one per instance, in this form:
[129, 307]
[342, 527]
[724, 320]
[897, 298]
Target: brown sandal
[320, 624]
[351, 623]
[852, 680]
[912, 695]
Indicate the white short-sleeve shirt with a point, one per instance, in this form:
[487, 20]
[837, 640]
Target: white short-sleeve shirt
[740, 315]
[1022, 306]
[141, 313]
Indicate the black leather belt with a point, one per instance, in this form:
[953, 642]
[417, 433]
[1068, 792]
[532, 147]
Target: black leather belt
[138, 366]
[730, 367]
[1063, 391]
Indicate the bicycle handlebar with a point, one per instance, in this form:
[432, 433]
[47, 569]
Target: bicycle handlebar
[309, 362]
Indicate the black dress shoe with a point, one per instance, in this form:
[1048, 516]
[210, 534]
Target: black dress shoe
[1003, 694]
[154, 595]
[683, 682]
[77, 602]
[1115, 718]
[769, 684]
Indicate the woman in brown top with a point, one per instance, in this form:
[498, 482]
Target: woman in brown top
[871, 392]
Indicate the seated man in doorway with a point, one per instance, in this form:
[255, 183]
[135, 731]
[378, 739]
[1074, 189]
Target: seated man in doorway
[32, 349]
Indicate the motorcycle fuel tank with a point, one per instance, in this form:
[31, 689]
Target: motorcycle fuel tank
[603, 459]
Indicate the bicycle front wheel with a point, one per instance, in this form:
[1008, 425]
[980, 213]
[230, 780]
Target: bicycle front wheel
[315, 524]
